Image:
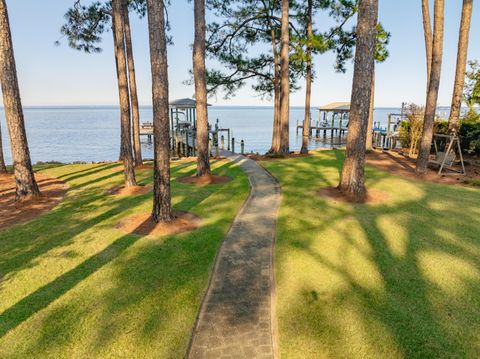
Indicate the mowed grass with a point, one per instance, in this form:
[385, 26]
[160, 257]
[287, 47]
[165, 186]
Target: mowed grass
[399, 279]
[73, 286]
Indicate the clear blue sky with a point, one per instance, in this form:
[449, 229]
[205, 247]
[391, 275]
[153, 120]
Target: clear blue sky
[51, 75]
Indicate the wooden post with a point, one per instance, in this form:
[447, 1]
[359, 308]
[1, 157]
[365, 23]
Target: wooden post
[228, 138]
[222, 140]
[242, 147]
[233, 144]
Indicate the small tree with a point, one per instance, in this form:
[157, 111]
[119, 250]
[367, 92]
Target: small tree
[471, 90]
[415, 115]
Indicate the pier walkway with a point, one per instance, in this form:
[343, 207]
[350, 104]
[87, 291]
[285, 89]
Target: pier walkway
[237, 315]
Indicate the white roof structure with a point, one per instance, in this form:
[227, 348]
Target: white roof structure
[336, 107]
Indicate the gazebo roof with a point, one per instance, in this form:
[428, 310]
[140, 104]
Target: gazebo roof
[184, 103]
[336, 107]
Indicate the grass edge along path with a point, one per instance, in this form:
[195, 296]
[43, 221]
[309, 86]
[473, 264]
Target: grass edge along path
[399, 279]
[73, 286]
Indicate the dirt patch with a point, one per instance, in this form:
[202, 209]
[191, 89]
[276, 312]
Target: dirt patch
[205, 180]
[122, 191]
[144, 167]
[373, 196]
[13, 212]
[142, 224]
[400, 165]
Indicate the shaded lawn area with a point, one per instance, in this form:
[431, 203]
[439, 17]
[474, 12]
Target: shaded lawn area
[399, 279]
[73, 286]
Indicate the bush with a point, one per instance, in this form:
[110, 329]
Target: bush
[470, 137]
[441, 127]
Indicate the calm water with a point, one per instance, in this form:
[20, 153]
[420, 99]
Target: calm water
[69, 134]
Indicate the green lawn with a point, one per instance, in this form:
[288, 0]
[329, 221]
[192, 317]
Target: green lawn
[73, 286]
[399, 279]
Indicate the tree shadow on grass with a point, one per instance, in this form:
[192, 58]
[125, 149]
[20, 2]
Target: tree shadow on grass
[44, 296]
[426, 305]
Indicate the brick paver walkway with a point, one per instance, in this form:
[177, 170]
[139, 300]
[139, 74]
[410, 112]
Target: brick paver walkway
[235, 319]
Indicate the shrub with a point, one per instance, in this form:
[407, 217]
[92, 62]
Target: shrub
[470, 137]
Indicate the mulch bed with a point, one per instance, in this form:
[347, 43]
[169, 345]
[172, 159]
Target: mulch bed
[14, 212]
[122, 191]
[272, 157]
[400, 165]
[205, 180]
[373, 196]
[142, 224]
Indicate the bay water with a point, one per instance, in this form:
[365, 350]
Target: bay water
[92, 133]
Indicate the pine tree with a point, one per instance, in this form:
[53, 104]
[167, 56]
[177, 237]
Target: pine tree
[352, 181]
[26, 186]
[122, 80]
[454, 119]
[433, 86]
[162, 206]
[199, 72]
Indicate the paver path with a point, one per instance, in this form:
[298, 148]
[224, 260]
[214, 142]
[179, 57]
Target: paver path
[236, 319]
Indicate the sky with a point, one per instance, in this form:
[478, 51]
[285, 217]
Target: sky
[52, 75]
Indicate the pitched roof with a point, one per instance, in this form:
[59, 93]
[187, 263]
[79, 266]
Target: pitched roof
[336, 107]
[183, 103]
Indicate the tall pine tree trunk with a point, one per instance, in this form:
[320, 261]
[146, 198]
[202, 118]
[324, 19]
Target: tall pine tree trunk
[427, 30]
[3, 168]
[26, 186]
[369, 145]
[284, 80]
[199, 73]
[454, 119]
[162, 207]
[276, 93]
[434, 84]
[137, 147]
[122, 77]
[352, 181]
[308, 80]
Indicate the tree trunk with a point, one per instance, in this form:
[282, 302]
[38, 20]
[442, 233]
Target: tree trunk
[122, 77]
[369, 145]
[137, 147]
[454, 119]
[26, 186]
[308, 80]
[352, 181]
[3, 167]
[276, 94]
[284, 80]
[432, 95]
[199, 73]
[162, 207]
[427, 30]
